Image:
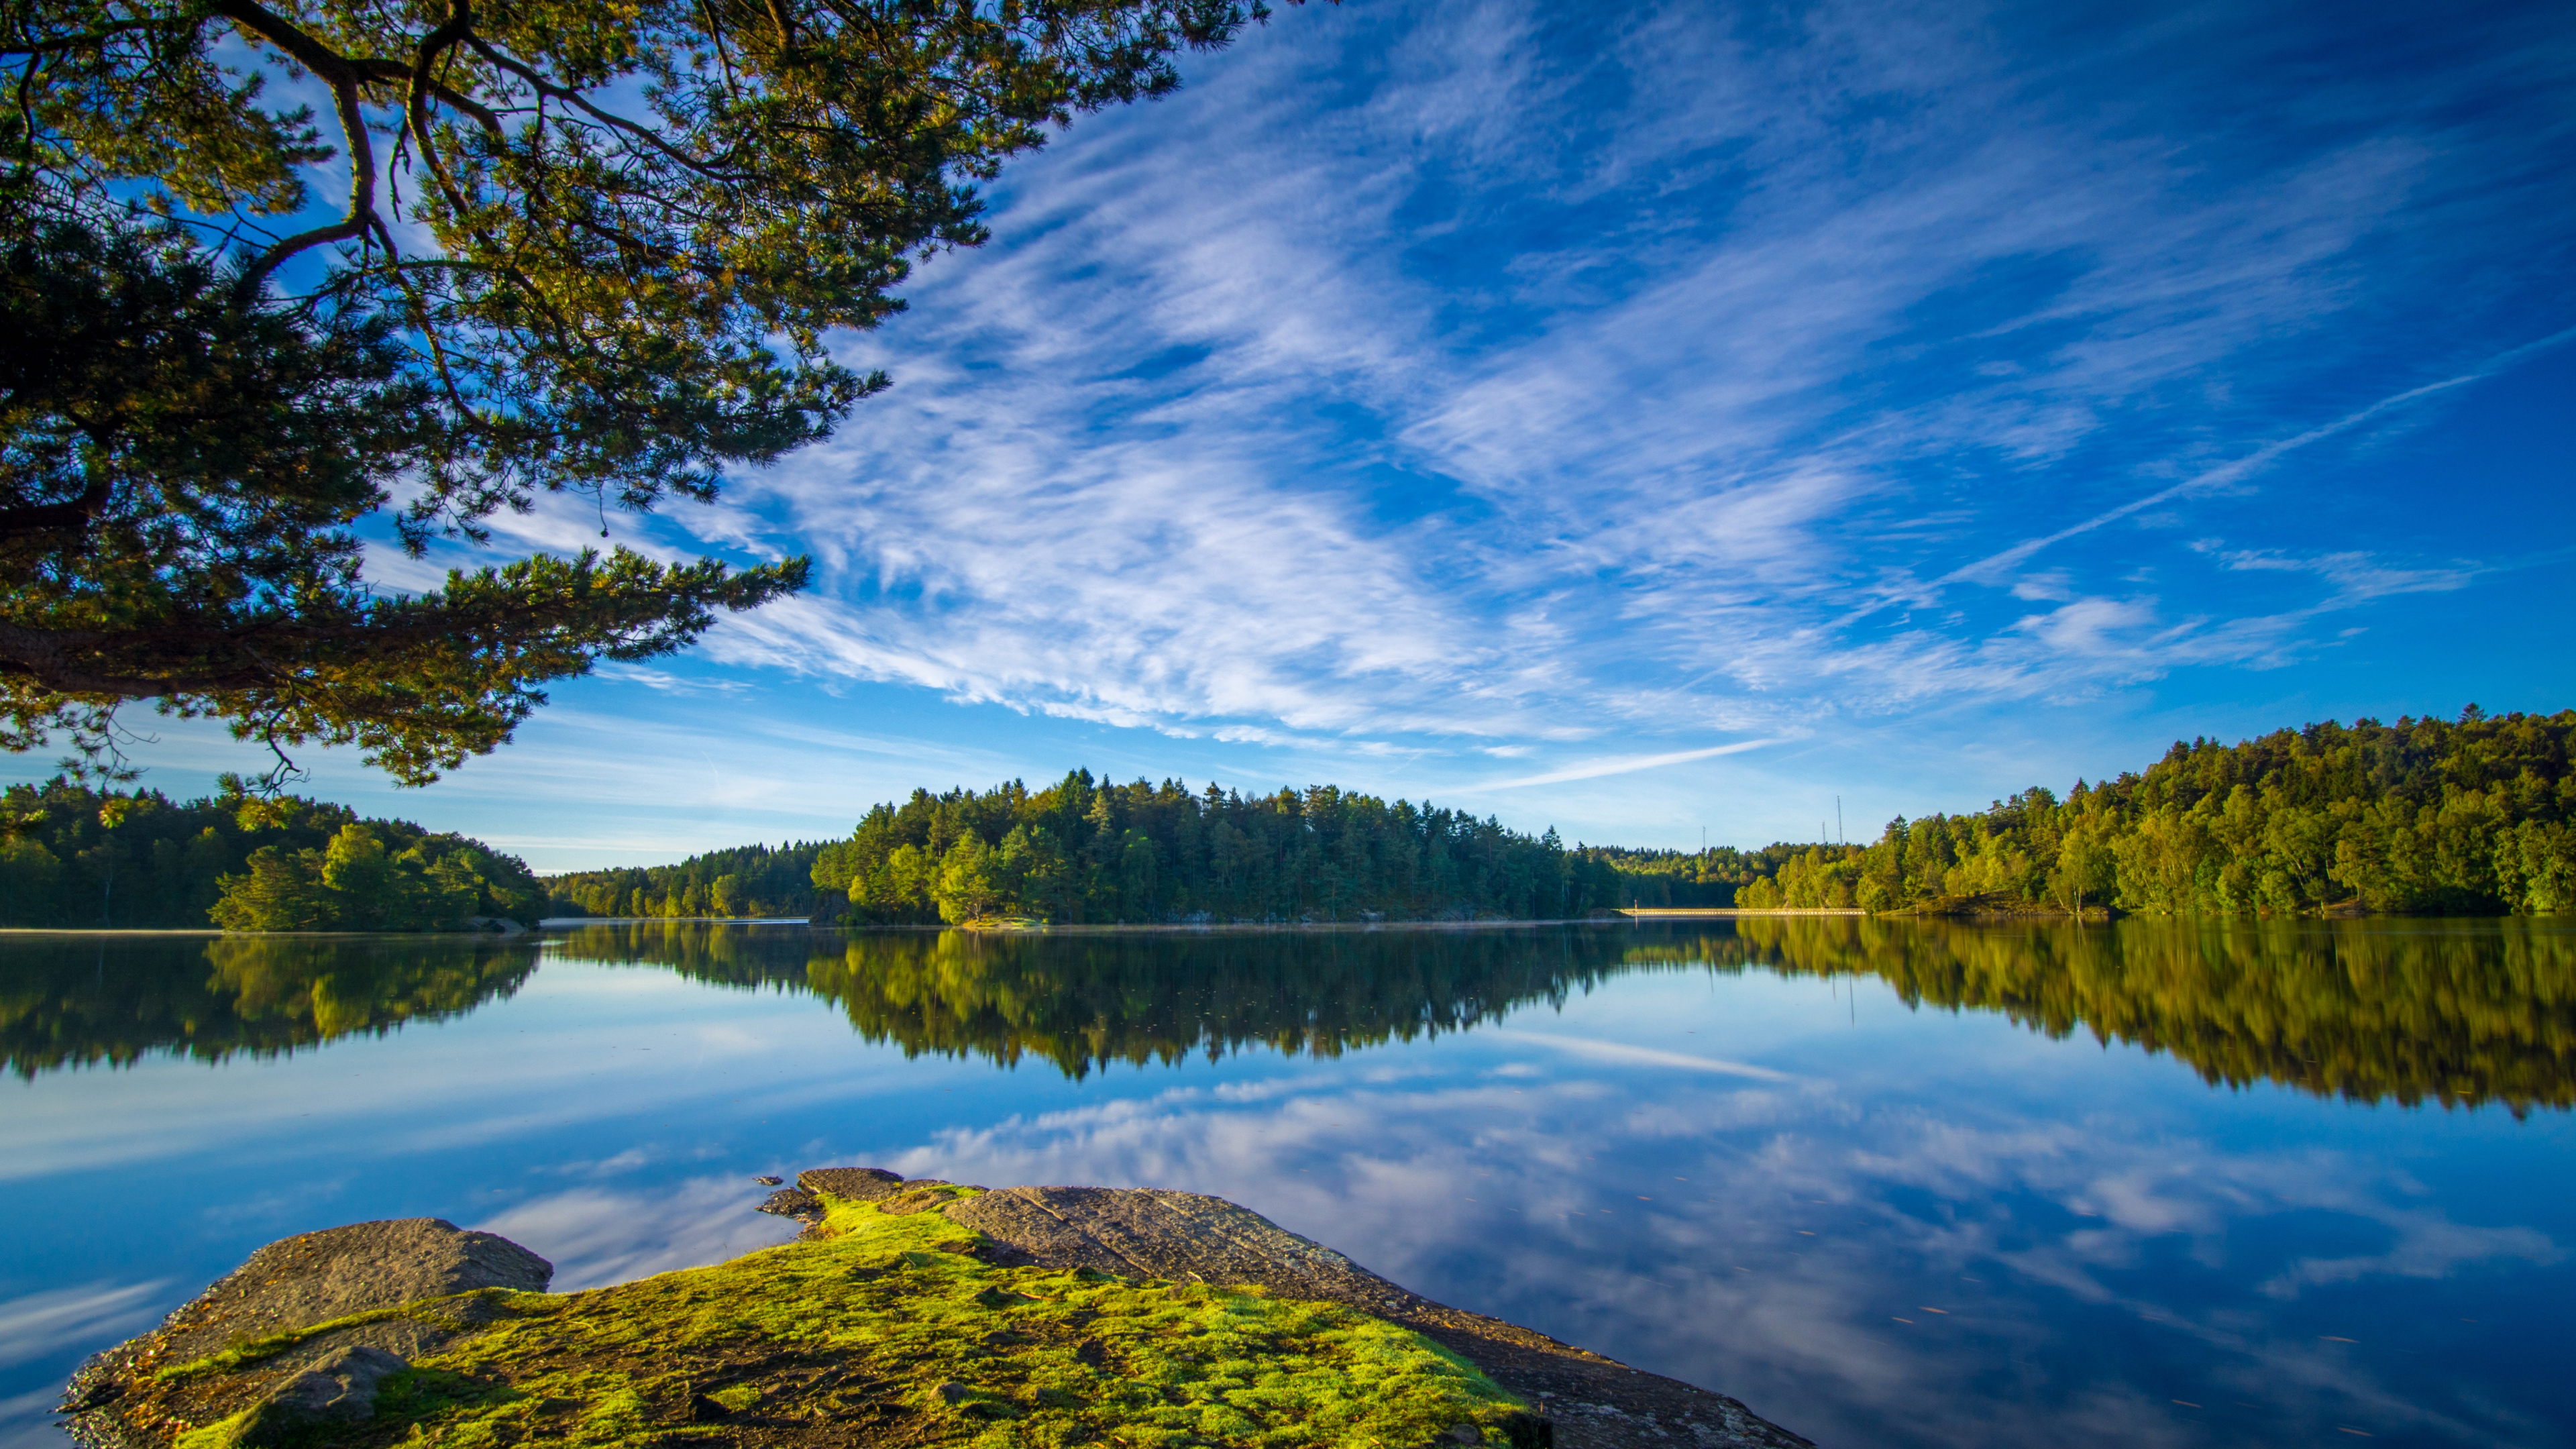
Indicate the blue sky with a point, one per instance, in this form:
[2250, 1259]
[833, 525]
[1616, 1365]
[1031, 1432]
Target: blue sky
[1647, 419]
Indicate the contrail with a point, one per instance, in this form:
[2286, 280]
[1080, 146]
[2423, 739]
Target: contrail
[2226, 473]
[1621, 765]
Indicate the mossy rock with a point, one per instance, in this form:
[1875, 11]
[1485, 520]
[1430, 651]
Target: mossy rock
[884, 1327]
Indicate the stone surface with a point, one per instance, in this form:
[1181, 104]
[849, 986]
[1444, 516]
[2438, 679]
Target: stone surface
[1591, 1402]
[1585, 1401]
[793, 1202]
[298, 1282]
[340, 1385]
[857, 1184]
[312, 1277]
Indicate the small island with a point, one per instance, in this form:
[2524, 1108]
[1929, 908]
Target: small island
[909, 1312]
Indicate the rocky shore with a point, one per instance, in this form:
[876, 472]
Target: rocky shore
[909, 1313]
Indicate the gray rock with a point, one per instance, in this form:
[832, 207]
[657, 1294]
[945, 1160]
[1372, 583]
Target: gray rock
[858, 1184]
[1186, 1236]
[296, 1283]
[1590, 1402]
[341, 1386]
[314, 1277]
[793, 1202]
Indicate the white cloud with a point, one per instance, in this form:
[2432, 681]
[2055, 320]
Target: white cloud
[1214, 442]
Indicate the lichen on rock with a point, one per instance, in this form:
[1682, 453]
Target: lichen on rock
[917, 1312]
[892, 1324]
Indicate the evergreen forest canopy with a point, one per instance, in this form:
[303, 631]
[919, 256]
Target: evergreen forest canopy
[556, 247]
[1094, 851]
[74, 858]
[2473, 816]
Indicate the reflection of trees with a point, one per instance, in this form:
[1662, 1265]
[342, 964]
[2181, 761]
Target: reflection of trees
[67, 1002]
[1083, 1001]
[2462, 1011]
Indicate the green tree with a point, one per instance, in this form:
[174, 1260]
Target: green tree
[585, 248]
[279, 892]
[967, 885]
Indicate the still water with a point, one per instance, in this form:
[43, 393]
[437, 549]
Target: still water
[1890, 1184]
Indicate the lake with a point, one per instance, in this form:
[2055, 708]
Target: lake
[1889, 1183]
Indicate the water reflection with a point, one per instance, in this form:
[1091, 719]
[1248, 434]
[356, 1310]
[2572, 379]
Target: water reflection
[1083, 1002]
[1865, 1175]
[68, 1001]
[2463, 1012]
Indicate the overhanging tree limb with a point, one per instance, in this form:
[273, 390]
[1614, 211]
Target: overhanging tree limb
[632, 230]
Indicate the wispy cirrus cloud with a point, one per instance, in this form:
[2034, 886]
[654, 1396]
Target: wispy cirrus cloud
[1273, 413]
[1426, 385]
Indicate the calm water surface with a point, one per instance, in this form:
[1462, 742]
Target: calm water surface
[1889, 1184]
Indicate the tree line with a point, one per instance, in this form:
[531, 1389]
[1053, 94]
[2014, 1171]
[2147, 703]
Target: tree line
[2473, 816]
[746, 880]
[75, 858]
[1086, 850]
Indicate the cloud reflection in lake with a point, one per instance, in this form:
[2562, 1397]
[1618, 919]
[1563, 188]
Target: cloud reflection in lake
[1891, 1185]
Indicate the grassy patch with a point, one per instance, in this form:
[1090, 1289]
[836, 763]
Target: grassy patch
[890, 1331]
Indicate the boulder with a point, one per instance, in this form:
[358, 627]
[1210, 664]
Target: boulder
[855, 1184]
[295, 1283]
[315, 1277]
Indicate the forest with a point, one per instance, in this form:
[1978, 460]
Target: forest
[2473, 816]
[747, 880]
[2468, 816]
[1094, 851]
[74, 858]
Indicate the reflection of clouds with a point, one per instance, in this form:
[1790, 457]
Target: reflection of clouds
[1661, 1217]
[39, 1324]
[56, 1324]
[2428, 1246]
[594, 1237]
[1625, 1054]
[27, 1421]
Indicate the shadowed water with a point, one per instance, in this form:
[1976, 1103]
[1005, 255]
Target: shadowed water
[1890, 1183]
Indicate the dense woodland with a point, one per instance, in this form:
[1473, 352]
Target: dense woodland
[1094, 851]
[2473, 816]
[75, 858]
[747, 880]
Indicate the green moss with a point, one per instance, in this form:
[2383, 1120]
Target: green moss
[890, 1330]
[252, 1351]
